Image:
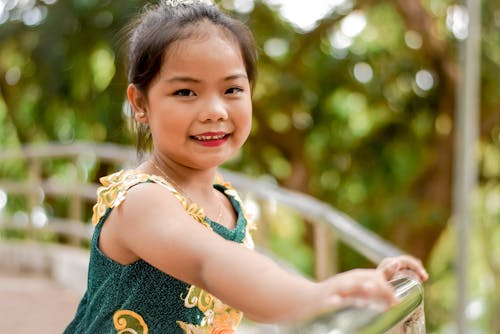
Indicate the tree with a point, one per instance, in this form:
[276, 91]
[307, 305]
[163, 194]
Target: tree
[357, 111]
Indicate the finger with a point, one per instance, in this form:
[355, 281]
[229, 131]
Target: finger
[378, 292]
[415, 265]
[393, 265]
[369, 285]
[383, 290]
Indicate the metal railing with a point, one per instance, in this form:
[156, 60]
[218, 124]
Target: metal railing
[329, 226]
[406, 317]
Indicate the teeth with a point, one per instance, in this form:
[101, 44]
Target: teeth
[209, 137]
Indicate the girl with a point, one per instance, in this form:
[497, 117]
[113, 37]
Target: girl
[171, 252]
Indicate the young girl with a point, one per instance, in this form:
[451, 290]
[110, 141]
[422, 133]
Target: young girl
[171, 252]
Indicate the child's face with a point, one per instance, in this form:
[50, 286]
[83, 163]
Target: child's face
[199, 108]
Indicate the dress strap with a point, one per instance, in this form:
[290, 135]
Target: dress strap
[114, 190]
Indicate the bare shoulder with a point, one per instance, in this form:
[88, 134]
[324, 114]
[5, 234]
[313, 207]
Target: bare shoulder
[151, 224]
[148, 198]
[148, 209]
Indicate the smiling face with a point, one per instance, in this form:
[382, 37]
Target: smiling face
[199, 107]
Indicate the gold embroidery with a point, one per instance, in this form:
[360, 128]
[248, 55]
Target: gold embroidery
[218, 317]
[197, 297]
[129, 322]
[191, 329]
[114, 187]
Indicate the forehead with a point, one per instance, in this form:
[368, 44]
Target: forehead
[201, 44]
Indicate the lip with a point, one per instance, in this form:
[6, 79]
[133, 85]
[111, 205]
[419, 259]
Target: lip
[211, 139]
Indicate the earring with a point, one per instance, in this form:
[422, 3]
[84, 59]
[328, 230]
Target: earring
[140, 114]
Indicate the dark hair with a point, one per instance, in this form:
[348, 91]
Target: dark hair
[160, 25]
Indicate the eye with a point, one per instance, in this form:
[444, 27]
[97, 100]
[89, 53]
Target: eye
[184, 92]
[234, 90]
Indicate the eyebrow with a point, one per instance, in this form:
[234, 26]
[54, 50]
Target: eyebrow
[182, 79]
[236, 76]
[193, 80]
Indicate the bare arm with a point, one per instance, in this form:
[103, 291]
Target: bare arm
[152, 225]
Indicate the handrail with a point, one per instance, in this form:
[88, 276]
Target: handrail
[321, 215]
[351, 232]
[104, 151]
[370, 319]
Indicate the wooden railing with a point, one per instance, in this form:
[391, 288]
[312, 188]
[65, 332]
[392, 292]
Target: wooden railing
[35, 185]
[27, 175]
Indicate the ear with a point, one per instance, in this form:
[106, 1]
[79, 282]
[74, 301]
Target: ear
[138, 103]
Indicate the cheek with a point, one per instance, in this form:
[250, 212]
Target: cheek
[245, 117]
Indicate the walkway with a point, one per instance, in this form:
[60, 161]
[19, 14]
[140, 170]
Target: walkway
[34, 305]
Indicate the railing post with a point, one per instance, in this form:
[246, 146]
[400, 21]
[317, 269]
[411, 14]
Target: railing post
[467, 115]
[415, 324]
[75, 215]
[33, 196]
[325, 251]
[76, 205]
[259, 235]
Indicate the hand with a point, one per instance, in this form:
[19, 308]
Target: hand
[403, 264]
[359, 287]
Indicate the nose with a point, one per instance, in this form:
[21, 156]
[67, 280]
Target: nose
[215, 109]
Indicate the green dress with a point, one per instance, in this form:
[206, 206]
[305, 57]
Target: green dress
[138, 298]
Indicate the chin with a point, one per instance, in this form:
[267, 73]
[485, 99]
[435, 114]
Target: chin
[208, 163]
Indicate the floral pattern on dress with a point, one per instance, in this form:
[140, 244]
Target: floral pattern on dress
[129, 322]
[218, 317]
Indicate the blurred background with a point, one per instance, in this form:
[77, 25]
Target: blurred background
[355, 105]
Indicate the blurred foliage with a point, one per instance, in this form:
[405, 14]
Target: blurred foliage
[283, 235]
[483, 268]
[357, 110]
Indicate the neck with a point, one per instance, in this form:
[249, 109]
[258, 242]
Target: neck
[188, 179]
[193, 188]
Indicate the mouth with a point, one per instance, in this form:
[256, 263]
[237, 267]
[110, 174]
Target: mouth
[211, 139]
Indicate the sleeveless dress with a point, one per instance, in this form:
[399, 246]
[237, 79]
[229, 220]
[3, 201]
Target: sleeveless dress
[138, 298]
